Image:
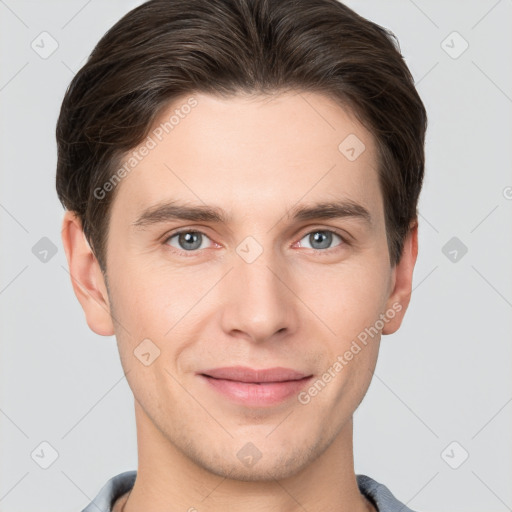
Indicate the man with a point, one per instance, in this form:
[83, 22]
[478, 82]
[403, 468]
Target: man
[241, 180]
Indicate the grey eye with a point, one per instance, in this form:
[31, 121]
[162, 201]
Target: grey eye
[188, 240]
[320, 239]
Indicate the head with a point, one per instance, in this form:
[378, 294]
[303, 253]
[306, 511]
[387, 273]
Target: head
[284, 141]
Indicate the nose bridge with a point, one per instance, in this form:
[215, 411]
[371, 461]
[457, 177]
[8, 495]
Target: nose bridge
[258, 302]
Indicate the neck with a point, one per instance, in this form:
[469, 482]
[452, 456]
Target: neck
[169, 480]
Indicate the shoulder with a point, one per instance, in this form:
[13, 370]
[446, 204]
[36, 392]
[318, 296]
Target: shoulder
[111, 491]
[380, 495]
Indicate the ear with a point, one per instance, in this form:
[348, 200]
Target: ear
[86, 276]
[400, 296]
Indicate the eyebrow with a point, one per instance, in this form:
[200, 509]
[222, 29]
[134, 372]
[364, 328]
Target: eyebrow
[174, 210]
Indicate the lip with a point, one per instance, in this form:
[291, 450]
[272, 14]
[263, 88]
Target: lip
[246, 374]
[253, 387]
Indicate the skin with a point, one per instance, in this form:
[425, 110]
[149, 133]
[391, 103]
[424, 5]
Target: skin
[296, 305]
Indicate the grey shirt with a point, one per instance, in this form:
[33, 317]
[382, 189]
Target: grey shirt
[378, 494]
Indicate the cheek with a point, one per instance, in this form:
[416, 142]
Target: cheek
[161, 304]
[151, 296]
[142, 295]
[347, 298]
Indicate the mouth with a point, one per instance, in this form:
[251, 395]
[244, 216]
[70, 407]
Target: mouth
[255, 388]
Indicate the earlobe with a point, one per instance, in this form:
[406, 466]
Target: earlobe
[400, 296]
[86, 276]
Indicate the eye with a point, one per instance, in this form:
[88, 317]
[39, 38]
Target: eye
[190, 241]
[187, 240]
[320, 239]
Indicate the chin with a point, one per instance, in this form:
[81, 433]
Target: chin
[249, 464]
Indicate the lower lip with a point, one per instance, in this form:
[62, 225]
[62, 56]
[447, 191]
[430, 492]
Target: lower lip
[257, 395]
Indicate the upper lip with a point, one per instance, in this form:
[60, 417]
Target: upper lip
[246, 374]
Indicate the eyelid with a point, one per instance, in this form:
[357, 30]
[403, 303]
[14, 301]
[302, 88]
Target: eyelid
[172, 234]
[342, 234]
[177, 231]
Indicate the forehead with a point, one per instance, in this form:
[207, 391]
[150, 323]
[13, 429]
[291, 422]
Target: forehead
[252, 152]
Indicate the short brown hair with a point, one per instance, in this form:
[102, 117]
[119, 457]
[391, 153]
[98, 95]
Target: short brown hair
[166, 48]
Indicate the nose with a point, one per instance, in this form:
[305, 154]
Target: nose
[257, 300]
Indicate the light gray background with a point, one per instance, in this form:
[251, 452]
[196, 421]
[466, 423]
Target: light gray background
[444, 377]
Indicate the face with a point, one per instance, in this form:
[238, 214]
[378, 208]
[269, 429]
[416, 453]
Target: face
[251, 235]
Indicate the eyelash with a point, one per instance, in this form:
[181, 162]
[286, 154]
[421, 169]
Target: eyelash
[196, 251]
